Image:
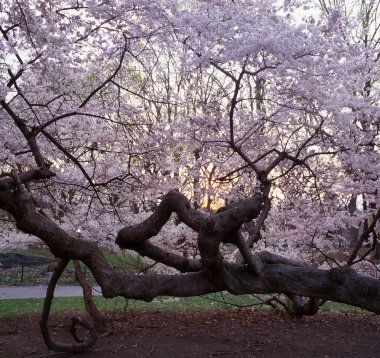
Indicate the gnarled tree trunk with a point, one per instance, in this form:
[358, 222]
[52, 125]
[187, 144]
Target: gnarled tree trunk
[262, 272]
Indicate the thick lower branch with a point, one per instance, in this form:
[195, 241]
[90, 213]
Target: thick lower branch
[339, 284]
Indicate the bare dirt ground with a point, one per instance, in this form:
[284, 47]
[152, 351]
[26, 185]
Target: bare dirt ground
[237, 333]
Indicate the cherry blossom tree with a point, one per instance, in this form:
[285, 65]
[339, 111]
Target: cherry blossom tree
[364, 16]
[251, 122]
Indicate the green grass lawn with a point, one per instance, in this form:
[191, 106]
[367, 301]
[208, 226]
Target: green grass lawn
[62, 304]
[207, 302]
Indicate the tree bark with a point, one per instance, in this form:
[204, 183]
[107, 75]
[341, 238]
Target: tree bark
[79, 345]
[277, 274]
[89, 303]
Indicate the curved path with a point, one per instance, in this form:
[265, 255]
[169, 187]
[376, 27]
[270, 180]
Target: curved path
[12, 292]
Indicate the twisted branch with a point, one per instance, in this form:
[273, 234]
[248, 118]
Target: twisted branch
[80, 344]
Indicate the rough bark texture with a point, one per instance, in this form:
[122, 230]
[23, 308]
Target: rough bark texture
[261, 272]
[89, 303]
